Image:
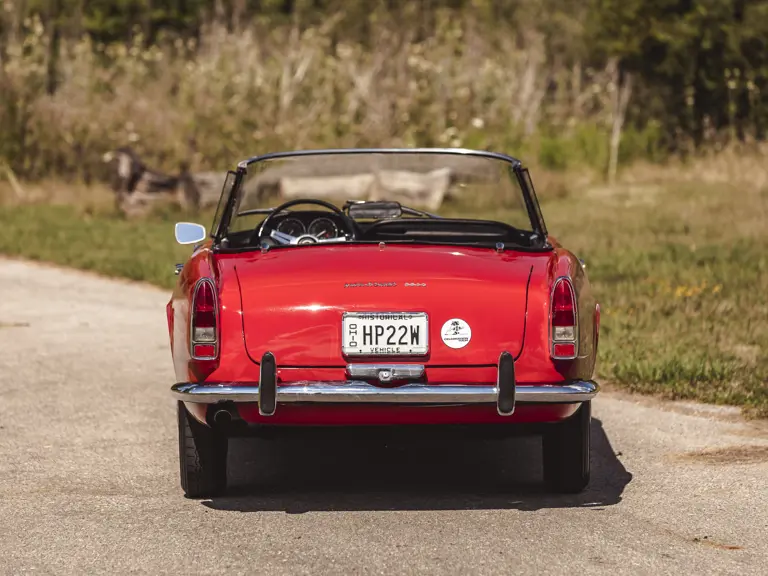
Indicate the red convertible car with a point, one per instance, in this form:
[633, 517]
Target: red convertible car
[373, 313]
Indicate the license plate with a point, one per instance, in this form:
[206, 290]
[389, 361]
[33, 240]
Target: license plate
[385, 333]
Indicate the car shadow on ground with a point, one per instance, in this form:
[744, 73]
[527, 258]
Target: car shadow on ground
[375, 470]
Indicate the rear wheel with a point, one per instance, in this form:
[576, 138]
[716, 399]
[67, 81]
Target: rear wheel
[566, 452]
[202, 457]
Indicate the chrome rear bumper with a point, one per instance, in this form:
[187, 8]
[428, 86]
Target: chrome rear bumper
[269, 393]
[352, 391]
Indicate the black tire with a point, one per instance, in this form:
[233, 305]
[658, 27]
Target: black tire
[566, 452]
[202, 457]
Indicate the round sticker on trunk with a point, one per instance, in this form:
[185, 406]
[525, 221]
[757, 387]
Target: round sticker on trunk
[456, 333]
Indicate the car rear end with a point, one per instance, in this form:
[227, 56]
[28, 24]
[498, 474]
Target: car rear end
[391, 336]
[408, 319]
[418, 343]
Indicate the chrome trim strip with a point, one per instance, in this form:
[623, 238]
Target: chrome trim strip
[452, 151]
[361, 392]
[386, 372]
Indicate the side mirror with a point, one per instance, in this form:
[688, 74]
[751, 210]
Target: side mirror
[189, 233]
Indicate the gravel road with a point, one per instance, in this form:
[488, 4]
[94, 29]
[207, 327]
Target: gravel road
[89, 472]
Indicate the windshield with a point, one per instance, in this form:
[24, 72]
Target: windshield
[453, 184]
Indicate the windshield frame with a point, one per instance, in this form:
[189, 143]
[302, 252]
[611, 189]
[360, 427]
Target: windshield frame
[219, 229]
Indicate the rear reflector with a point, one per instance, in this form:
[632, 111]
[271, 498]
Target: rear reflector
[564, 327]
[565, 350]
[204, 350]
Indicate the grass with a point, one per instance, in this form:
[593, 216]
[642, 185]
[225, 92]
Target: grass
[680, 270]
[681, 273]
[138, 250]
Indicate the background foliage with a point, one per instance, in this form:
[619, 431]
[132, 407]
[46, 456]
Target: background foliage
[210, 81]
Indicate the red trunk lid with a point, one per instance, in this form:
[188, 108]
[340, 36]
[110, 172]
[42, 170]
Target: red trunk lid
[294, 298]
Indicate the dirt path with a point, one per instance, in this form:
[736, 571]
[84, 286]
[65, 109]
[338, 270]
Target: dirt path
[89, 472]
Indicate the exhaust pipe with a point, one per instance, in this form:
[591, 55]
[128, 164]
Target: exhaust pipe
[222, 417]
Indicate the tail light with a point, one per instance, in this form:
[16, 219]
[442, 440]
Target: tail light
[204, 331]
[564, 329]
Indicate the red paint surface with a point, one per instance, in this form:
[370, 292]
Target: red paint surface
[293, 300]
[371, 415]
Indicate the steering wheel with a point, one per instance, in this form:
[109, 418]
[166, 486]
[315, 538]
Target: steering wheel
[283, 238]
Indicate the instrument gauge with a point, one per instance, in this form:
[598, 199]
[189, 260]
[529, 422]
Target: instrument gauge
[292, 226]
[323, 228]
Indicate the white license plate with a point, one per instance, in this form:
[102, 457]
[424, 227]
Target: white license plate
[385, 333]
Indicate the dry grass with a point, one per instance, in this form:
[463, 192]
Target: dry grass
[740, 165]
[55, 192]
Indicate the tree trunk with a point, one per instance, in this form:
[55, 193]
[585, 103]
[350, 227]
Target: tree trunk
[621, 94]
[54, 30]
[17, 21]
[238, 14]
[219, 14]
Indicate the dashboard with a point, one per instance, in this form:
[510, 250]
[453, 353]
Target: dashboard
[321, 224]
[301, 227]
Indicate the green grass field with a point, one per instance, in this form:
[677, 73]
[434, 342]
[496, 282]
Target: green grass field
[681, 272]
